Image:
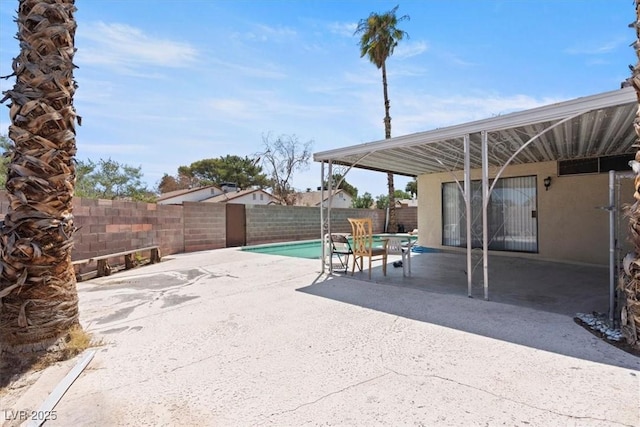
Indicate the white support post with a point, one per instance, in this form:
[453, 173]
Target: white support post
[485, 221]
[612, 246]
[467, 200]
[323, 259]
[330, 183]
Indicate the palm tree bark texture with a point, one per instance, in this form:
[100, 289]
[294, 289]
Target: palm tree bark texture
[38, 297]
[630, 283]
[379, 37]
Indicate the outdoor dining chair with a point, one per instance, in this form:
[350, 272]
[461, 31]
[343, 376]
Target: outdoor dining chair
[399, 246]
[341, 248]
[362, 236]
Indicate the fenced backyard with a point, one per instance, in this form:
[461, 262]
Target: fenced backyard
[114, 226]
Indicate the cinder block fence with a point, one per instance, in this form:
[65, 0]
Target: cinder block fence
[112, 226]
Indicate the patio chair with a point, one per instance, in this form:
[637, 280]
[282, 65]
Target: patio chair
[341, 247]
[395, 246]
[362, 235]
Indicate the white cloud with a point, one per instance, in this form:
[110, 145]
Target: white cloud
[128, 50]
[417, 114]
[407, 49]
[345, 29]
[266, 33]
[262, 70]
[596, 48]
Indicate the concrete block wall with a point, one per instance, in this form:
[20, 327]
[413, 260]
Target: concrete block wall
[110, 226]
[267, 224]
[204, 226]
[408, 217]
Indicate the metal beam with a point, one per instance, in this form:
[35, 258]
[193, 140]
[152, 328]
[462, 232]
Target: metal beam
[485, 222]
[467, 202]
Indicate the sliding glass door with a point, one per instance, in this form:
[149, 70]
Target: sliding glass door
[512, 215]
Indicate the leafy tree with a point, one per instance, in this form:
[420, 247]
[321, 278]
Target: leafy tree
[37, 279]
[281, 158]
[382, 201]
[344, 185]
[109, 179]
[412, 188]
[399, 195]
[242, 171]
[379, 37]
[365, 201]
[181, 182]
[6, 146]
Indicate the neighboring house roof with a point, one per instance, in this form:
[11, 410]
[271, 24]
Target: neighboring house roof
[407, 202]
[176, 193]
[226, 197]
[312, 198]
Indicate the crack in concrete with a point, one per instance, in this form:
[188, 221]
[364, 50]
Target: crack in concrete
[576, 417]
[313, 402]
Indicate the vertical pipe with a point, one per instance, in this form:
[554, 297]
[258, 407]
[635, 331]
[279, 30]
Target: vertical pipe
[612, 246]
[322, 239]
[485, 221]
[329, 199]
[467, 201]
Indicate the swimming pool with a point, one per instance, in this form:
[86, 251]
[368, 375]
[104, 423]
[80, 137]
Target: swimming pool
[310, 249]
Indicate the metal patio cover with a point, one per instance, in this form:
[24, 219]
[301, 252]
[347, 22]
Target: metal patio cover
[602, 126]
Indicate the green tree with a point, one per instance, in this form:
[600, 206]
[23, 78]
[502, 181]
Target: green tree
[382, 201]
[39, 305]
[412, 188]
[111, 180]
[242, 171]
[365, 201]
[399, 194]
[281, 158]
[344, 185]
[6, 146]
[379, 37]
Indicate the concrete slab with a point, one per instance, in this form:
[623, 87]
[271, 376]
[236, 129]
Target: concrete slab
[234, 338]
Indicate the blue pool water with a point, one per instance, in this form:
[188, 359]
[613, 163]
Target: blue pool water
[310, 249]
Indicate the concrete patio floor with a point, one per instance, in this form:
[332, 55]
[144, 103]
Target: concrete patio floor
[234, 338]
[542, 285]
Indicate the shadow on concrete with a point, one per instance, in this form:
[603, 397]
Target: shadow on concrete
[532, 302]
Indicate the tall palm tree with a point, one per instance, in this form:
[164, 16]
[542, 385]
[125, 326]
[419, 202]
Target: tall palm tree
[630, 285]
[379, 37]
[38, 297]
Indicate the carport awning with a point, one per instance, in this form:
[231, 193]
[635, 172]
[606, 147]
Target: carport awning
[602, 126]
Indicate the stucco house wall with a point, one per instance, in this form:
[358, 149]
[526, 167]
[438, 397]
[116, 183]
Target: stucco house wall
[571, 227]
[194, 195]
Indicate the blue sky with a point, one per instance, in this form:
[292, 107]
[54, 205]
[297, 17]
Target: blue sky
[164, 83]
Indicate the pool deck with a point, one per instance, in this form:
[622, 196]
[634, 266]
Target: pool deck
[230, 338]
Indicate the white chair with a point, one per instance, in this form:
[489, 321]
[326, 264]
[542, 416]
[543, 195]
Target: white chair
[395, 246]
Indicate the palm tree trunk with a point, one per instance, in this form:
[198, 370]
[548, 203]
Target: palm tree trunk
[393, 226]
[38, 297]
[630, 283]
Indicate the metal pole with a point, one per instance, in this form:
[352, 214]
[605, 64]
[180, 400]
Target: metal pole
[485, 204]
[330, 183]
[322, 239]
[467, 200]
[612, 246]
